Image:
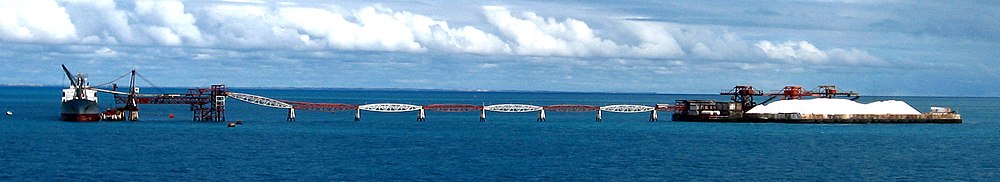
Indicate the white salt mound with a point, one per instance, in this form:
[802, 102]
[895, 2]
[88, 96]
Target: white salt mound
[835, 106]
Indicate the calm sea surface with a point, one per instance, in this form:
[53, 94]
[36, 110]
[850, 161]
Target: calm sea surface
[34, 145]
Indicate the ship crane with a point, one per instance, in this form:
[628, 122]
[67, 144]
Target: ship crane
[78, 83]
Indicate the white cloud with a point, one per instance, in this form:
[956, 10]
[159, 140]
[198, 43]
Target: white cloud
[691, 41]
[794, 52]
[106, 52]
[227, 25]
[374, 30]
[382, 29]
[100, 21]
[803, 52]
[163, 35]
[35, 21]
[150, 22]
[247, 26]
[853, 56]
[709, 43]
[438, 35]
[534, 35]
[656, 41]
[318, 24]
[168, 23]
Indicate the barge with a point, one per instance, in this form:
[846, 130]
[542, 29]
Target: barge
[793, 109]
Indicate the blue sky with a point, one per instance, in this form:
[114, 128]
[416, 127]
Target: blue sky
[873, 47]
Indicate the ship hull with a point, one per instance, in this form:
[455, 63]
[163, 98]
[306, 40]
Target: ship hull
[81, 117]
[80, 110]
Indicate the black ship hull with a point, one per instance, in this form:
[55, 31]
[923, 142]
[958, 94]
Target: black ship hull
[80, 110]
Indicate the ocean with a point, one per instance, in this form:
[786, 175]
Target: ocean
[35, 146]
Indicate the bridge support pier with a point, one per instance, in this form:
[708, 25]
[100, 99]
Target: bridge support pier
[482, 116]
[599, 117]
[133, 115]
[291, 114]
[357, 115]
[541, 115]
[652, 116]
[421, 117]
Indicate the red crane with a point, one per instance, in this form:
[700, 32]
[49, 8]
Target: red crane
[206, 104]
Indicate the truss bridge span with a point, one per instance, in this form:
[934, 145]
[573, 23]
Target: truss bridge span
[421, 110]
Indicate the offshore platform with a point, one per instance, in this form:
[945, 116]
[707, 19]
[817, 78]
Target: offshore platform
[209, 104]
[206, 104]
[740, 109]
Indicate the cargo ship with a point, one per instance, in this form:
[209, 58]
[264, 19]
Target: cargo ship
[793, 108]
[78, 103]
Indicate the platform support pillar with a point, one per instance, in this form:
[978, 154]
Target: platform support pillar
[652, 116]
[420, 116]
[482, 115]
[541, 115]
[599, 117]
[357, 115]
[133, 115]
[291, 114]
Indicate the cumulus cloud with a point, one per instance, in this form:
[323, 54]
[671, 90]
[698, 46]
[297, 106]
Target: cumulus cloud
[103, 23]
[802, 52]
[148, 23]
[539, 36]
[698, 42]
[169, 24]
[35, 21]
[229, 25]
[853, 56]
[240, 25]
[379, 28]
[250, 26]
[372, 31]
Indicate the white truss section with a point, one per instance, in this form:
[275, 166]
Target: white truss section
[512, 108]
[259, 100]
[389, 107]
[627, 108]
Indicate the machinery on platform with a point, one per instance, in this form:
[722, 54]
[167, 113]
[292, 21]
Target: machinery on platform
[745, 94]
[743, 100]
[206, 104]
[209, 104]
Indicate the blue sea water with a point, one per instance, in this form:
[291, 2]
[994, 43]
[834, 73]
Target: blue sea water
[34, 145]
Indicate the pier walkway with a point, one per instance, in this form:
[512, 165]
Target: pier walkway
[421, 111]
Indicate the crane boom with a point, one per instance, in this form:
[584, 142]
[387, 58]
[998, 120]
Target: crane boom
[107, 91]
[72, 81]
[127, 93]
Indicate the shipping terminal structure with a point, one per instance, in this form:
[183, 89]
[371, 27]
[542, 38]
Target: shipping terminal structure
[797, 105]
[825, 104]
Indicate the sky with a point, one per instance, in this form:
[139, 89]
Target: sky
[876, 47]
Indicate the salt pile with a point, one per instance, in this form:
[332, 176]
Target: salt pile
[835, 106]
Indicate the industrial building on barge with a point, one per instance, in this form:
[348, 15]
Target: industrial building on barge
[824, 107]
